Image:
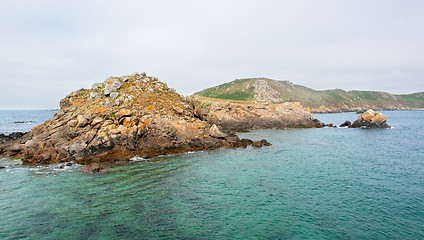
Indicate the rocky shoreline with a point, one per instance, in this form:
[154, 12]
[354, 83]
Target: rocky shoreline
[123, 117]
[10, 137]
[358, 110]
[137, 115]
[249, 115]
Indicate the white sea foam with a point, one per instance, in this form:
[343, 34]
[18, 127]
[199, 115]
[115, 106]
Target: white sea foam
[137, 159]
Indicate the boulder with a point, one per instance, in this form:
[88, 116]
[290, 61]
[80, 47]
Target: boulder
[82, 121]
[96, 120]
[265, 142]
[370, 119]
[257, 144]
[345, 124]
[96, 86]
[216, 133]
[114, 94]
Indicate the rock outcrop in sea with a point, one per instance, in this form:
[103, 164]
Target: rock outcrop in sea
[123, 117]
[370, 119]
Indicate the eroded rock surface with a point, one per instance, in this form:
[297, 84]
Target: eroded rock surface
[134, 115]
[243, 115]
[370, 119]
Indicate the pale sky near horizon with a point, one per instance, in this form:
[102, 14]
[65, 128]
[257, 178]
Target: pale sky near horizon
[50, 48]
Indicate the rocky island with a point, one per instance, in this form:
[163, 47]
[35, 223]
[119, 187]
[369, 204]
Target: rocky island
[370, 119]
[138, 115]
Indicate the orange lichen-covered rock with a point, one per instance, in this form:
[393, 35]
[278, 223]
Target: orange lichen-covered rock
[370, 119]
[123, 117]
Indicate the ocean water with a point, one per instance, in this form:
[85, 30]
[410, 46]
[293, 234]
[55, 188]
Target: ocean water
[22, 121]
[328, 183]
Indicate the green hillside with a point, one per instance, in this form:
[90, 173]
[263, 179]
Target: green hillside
[263, 89]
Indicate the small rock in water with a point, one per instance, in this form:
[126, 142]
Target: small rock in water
[346, 124]
[370, 119]
[94, 167]
[265, 142]
[257, 144]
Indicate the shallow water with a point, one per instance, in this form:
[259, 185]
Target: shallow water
[310, 184]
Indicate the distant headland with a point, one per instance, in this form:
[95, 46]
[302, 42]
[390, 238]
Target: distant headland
[318, 101]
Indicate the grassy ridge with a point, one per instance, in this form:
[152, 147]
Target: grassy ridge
[244, 90]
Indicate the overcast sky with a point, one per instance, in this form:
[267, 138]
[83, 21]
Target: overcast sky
[49, 48]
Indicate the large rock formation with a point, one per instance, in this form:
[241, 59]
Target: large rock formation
[122, 117]
[370, 119]
[244, 115]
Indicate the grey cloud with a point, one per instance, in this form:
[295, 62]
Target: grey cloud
[50, 48]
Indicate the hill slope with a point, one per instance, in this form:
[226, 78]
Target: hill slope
[336, 100]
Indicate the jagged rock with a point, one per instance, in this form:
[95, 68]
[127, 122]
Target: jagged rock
[370, 119]
[216, 133]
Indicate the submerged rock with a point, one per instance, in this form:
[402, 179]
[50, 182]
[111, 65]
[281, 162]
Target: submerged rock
[370, 119]
[150, 120]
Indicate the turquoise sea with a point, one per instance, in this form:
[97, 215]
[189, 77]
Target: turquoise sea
[328, 183]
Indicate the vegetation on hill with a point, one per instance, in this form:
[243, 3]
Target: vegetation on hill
[263, 89]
